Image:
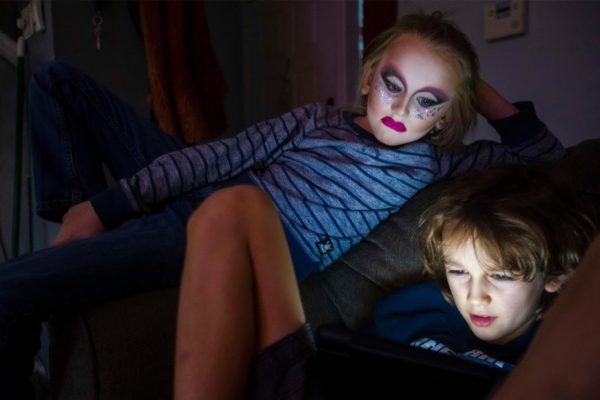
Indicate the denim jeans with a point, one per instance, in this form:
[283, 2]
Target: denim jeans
[76, 127]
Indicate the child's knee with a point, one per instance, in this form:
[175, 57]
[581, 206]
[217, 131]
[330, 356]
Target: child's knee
[230, 208]
[238, 200]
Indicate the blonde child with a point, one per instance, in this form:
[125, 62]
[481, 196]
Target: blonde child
[562, 360]
[499, 244]
[334, 175]
[327, 177]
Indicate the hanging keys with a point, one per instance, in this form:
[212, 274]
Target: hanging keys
[97, 22]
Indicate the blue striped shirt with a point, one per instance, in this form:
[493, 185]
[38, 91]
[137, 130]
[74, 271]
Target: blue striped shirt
[331, 181]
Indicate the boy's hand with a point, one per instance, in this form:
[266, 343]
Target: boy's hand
[491, 105]
[79, 222]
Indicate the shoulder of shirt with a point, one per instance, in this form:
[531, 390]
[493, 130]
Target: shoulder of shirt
[327, 115]
[313, 109]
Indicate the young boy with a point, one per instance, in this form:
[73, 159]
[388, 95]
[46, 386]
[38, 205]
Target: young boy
[499, 246]
[563, 358]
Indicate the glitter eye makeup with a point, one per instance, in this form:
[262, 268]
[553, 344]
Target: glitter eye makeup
[426, 103]
[392, 82]
[429, 112]
[420, 107]
[384, 96]
[404, 90]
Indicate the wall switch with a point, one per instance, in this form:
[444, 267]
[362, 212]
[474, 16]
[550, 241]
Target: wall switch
[505, 19]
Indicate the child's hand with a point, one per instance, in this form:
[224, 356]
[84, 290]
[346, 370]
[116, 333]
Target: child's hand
[79, 222]
[491, 105]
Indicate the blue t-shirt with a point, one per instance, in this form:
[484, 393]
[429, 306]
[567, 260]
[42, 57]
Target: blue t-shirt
[419, 315]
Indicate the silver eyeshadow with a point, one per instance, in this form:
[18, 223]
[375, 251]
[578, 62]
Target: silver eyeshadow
[415, 110]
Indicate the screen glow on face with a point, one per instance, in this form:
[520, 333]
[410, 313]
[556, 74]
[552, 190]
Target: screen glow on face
[497, 305]
[422, 105]
[409, 92]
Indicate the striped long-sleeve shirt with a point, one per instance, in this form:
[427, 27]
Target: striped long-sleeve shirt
[331, 181]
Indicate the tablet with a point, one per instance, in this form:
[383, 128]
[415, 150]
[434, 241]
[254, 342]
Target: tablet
[351, 364]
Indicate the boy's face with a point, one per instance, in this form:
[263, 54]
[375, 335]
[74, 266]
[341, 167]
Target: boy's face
[408, 92]
[496, 306]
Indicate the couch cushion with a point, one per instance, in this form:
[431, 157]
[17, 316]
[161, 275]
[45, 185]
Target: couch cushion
[120, 350]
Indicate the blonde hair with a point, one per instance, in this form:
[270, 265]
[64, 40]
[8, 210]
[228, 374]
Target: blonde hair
[524, 221]
[450, 44]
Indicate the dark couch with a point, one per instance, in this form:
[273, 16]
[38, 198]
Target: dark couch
[124, 349]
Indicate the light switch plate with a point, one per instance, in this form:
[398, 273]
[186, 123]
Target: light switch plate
[504, 19]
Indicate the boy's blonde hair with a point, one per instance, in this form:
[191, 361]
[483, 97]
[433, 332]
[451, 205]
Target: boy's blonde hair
[523, 220]
[454, 47]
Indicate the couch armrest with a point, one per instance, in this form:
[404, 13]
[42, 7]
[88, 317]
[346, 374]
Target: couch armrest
[120, 350]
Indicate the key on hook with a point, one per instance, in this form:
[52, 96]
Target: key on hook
[97, 23]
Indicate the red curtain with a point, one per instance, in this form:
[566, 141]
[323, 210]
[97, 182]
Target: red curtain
[187, 89]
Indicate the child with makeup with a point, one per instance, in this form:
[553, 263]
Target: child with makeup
[499, 245]
[331, 175]
[420, 86]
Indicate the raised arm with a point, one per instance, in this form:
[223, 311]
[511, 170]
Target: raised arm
[182, 171]
[491, 104]
[524, 137]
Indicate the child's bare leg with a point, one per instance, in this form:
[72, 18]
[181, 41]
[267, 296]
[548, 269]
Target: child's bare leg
[238, 293]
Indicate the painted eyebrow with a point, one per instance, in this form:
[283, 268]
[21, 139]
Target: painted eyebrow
[387, 72]
[438, 93]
